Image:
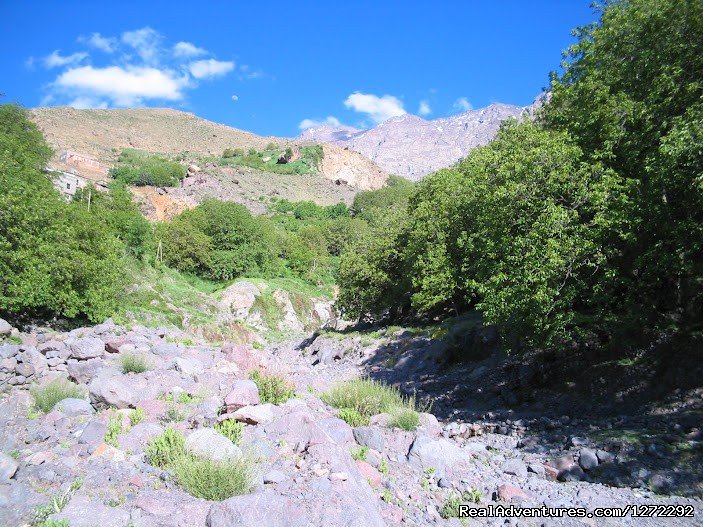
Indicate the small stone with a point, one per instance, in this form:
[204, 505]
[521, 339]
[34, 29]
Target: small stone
[371, 437]
[26, 370]
[339, 476]
[507, 492]
[210, 444]
[369, 473]
[243, 393]
[254, 415]
[5, 328]
[74, 407]
[515, 467]
[588, 459]
[8, 467]
[87, 348]
[604, 456]
[274, 476]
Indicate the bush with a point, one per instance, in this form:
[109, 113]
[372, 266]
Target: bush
[405, 418]
[365, 396]
[134, 168]
[231, 429]
[213, 480]
[162, 451]
[352, 417]
[272, 388]
[360, 454]
[136, 416]
[132, 363]
[46, 396]
[115, 426]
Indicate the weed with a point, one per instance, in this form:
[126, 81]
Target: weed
[352, 417]
[383, 467]
[46, 396]
[450, 508]
[136, 416]
[272, 388]
[404, 418]
[133, 363]
[14, 453]
[231, 429]
[163, 450]
[360, 454]
[214, 480]
[115, 426]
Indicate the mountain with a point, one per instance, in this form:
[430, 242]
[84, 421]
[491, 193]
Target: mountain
[412, 147]
[95, 138]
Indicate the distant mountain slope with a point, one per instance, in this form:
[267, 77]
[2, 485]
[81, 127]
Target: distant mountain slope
[412, 147]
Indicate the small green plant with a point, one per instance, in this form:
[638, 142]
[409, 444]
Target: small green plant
[136, 416]
[14, 453]
[214, 480]
[56, 505]
[404, 418]
[231, 429]
[163, 450]
[272, 388]
[184, 398]
[53, 523]
[360, 454]
[425, 484]
[387, 496]
[174, 414]
[383, 467]
[450, 508]
[46, 396]
[353, 417]
[133, 363]
[115, 426]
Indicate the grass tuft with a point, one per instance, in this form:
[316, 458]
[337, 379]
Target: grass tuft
[132, 363]
[231, 429]
[46, 396]
[405, 418]
[272, 388]
[352, 417]
[136, 416]
[115, 426]
[360, 454]
[165, 449]
[214, 480]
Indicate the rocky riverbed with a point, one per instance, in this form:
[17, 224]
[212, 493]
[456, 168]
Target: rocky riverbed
[71, 464]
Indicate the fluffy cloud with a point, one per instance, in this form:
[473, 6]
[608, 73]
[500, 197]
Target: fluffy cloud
[96, 40]
[56, 60]
[203, 69]
[186, 49]
[462, 104]
[146, 42]
[378, 108]
[235, 98]
[424, 108]
[330, 120]
[121, 86]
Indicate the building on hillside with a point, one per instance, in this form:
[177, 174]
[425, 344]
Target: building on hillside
[82, 161]
[68, 183]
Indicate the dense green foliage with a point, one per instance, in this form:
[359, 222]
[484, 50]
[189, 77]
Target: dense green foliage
[55, 258]
[583, 224]
[139, 168]
[268, 160]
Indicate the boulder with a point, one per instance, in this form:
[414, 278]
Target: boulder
[243, 356]
[210, 444]
[5, 328]
[371, 437]
[166, 349]
[444, 456]
[138, 436]
[114, 391]
[515, 467]
[254, 415]
[588, 460]
[8, 466]
[243, 393]
[83, 511]
[369, 473]
[507, 492]
[188, 366]
[74, 407]
[239, 298]
[86, 348]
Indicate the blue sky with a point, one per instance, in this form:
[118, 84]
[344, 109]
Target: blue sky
[273, 67]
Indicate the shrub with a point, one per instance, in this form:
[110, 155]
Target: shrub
[214, 480]
[114, 428]
[136, 416]
[272, 388]
[360, 453]
[132, 363]
[366, 396]
[231, 429]
[404, 418]
[352, 417]
[46, 396]
[450, 508]
[144, 169]
[165, 449]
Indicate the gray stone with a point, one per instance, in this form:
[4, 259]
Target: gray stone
[444, 456]
[274, 476]
[604, 456]
[26, 370]
[81, 511]
[371, 437]
[515, 467]
[84, 371]
[5, 328]
[8, 467]
[8, 350]
[254, 415]
[138, 436]
[114, 391]
[588, 459]
[210, 444]
[243, 393]
[73, 407]
[86, 348]
[166, 349]
[338, 430]
[536, 468]
[93, 434]
[188, 366]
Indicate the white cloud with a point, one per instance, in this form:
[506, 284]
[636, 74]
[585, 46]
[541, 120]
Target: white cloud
[246, 73]
[424, 108]
[146, 42]
[462, 104]
[121, 86]
[56, 60]
[202, 69]
[330, 120]
[88, 102]
[186, 49]
[235, 98]
[96, 40]
[378, 108]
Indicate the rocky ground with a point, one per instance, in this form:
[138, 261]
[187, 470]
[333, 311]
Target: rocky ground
[312, 468]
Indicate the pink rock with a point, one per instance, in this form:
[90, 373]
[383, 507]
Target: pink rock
[369, 473]
[244, 393]
[113, 345]
[244, 357]
[550, 473]
[253, 415]
[509, 492]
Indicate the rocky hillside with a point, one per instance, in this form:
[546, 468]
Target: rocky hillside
[103, 134]
[412, 147]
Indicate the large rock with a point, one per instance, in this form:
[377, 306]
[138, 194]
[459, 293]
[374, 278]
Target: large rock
[254, 415]
[444, 456]
[290, 320]
[515, 467]
[74, 407]
[243, 356]
[189, 366]
[84, 371]
[8, 467]
[114, 391]
[210, 444]
[86, 348]
[588, 460]
[371, 437]
[138, 436]
[239, 298]
[5, 328]
[166, 349]
[83, 511]
[243, 393]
